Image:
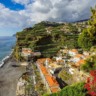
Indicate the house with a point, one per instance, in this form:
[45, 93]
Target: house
[64, 51]
[86, 53]
[58, 58]
[80, 62]
[71, 71]
[26, 52]
[73, 52]
[77, 58]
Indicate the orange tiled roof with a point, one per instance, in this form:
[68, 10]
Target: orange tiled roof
[80, 62]
[74, 50]
[43, 69]
[53, 84]
[78, 55]
[51, 81]
[43, 60]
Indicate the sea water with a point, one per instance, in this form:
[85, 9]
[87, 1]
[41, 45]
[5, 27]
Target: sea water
[6, 45]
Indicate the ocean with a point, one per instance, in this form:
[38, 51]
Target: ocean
[6, 44]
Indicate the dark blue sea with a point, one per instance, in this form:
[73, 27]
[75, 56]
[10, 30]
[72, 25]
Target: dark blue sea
[6, 45]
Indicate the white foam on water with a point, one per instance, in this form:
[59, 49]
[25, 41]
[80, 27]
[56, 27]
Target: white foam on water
[5, 59]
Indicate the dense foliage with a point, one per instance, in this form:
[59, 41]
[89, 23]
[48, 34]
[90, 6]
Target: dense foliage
[87, 38]
[72, 90]
[90, 64]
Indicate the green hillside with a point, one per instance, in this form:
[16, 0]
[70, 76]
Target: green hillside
[49, 37]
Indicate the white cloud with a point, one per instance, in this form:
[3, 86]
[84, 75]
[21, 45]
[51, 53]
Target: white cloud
[59, 10]
[40, 10]
[12, 19]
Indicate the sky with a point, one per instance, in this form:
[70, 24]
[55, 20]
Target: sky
[15, 15]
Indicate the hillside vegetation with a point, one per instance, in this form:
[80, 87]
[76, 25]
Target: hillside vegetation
[87, 38]
[72, 90]
[49, 37]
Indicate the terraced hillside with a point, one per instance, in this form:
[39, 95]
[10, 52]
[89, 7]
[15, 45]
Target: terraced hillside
[49, 37]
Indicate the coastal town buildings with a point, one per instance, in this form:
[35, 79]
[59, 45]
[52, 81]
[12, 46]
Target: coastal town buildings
[72, 60]
[49, 80]
[66, 59]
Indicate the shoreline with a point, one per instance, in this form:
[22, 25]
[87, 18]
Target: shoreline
[6, 58]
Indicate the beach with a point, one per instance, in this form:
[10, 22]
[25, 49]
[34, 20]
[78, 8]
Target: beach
[9, 76]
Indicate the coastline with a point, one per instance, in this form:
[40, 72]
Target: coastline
[6, 58]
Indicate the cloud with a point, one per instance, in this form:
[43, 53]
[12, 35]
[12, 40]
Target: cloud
[59, 10]
[40, 10]
[12, 19]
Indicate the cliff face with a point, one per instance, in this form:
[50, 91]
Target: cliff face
[49, 37]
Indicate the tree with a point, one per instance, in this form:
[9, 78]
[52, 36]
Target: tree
[72, 90]
[91, 83]
[87, 38]
[84, 40]
[90, 64]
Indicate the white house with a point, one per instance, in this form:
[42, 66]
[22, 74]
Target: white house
[58, 58]
[26, 52]
[86, 53]
[77, 58]
[73, 52]
[71, 70]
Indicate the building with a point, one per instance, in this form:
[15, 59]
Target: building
[26, 52]
[77, 58]
[86, 53]
[80, 62]
[49, 80]
[53, 66]
[73, 52]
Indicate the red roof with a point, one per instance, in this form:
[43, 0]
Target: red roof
[53, 84]
[80, 62]
[51, 81]
[74, 50]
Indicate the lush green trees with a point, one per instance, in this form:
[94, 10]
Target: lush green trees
[87, 38]
[90, 64]
[72, 90]
[84, 40]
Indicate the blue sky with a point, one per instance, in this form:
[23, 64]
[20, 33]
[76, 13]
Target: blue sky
[15, 15]
[12, 5]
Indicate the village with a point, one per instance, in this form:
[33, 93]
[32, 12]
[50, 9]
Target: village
[56, 72]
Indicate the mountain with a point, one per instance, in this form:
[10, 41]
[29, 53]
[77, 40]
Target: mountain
[48, 37]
